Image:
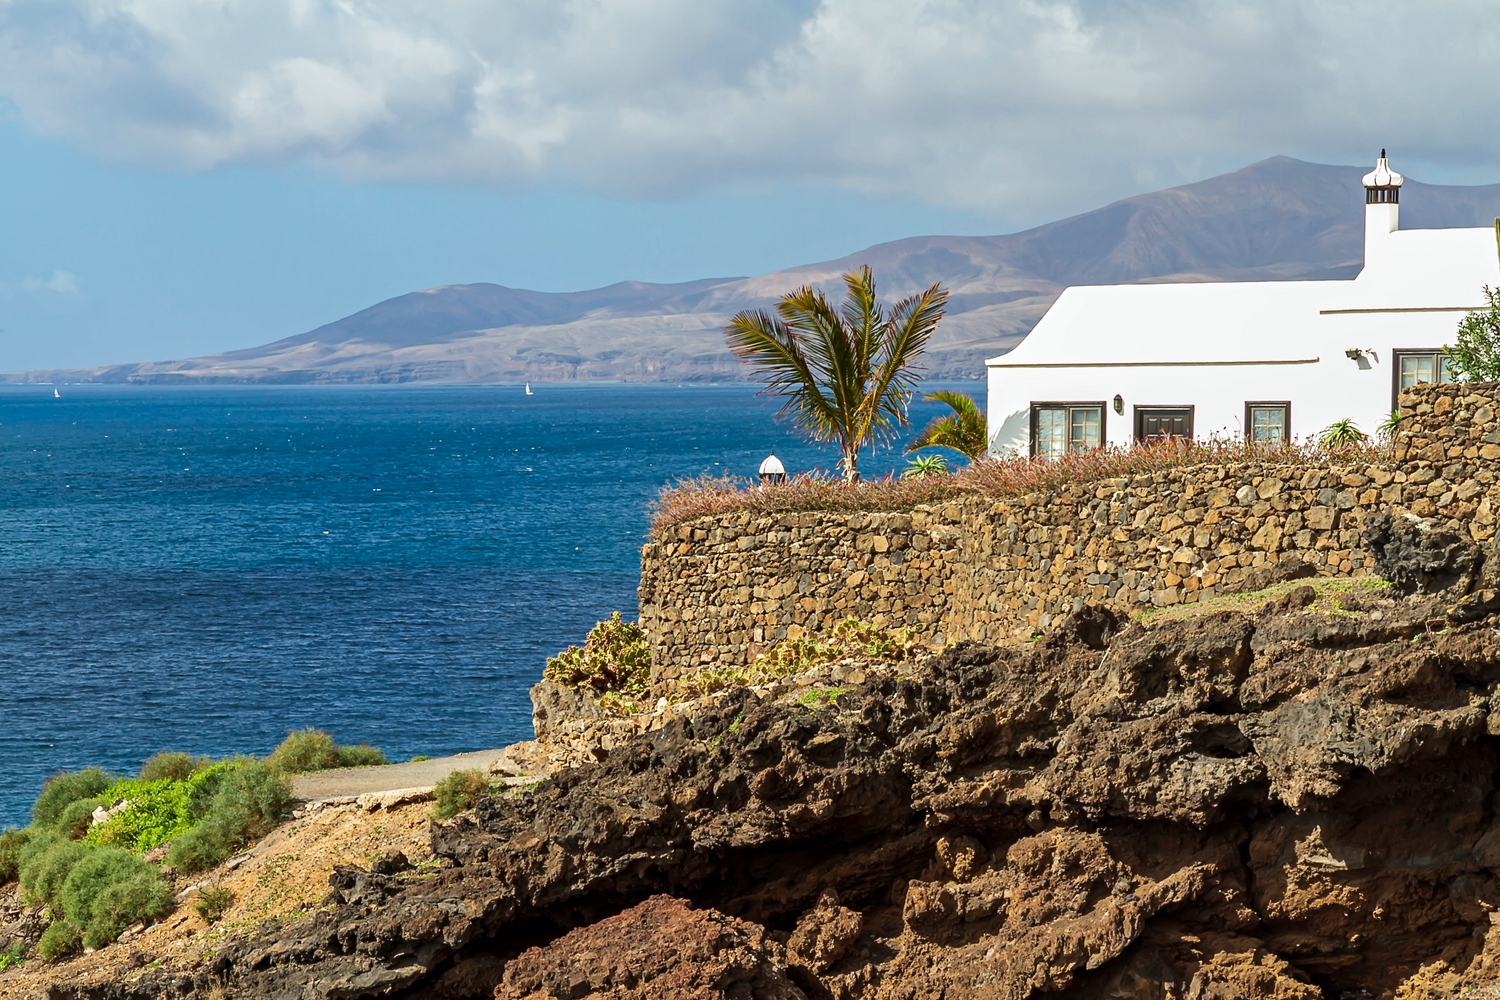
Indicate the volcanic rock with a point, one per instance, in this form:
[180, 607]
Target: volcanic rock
[1293, 802]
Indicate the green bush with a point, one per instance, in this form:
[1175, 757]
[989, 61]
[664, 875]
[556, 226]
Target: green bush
[12, 842]
[458, 792]
[213, 903]
[58, 941]
[306, 750]
[108, 889]
[159, 810]
[172, 765]
[361, 756]
[65, 789]
[79, 814]
[616, 657]
[249, 802]
[45, 864]
[1476, 355]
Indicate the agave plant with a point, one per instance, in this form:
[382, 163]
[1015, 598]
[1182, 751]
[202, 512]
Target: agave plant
[963, 430]
[925, 465]
[1390, 426]
[1342, 434]
[845, 374]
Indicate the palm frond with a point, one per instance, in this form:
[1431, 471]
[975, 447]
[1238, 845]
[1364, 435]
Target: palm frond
[964, 430]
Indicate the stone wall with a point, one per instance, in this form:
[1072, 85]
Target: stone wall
[718, 590]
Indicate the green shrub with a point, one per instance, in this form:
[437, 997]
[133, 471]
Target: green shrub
[45, 864]
[306, 750]
[458, 792]
[108, 889]
[249, 802]
[58, 941]
[12, 956]
[172, 765]
[360, 756]
[78, 815]
[1476, 355]
[213, 903]
[65, 789]
[12, 842]
[159, 810]
[616, 656]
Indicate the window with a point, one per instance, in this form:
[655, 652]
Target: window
[1058, 428]
[1415, 367]
[1268, 423]
[1161, 423]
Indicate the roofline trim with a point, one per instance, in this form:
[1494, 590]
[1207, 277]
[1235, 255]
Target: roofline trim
[1401, 309]
[997, 363]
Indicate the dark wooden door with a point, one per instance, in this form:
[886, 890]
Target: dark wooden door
[1153, 423]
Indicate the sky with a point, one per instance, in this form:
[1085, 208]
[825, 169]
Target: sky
[179, 177]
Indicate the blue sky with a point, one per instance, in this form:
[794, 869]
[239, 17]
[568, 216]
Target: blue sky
[104, 263]
[179, 177]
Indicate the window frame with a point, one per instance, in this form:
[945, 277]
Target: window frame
[1135, 418]
[1286, 406]
[1070, 405]
[1405, 352]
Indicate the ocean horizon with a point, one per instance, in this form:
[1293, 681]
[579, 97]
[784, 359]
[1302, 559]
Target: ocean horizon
[206, 568]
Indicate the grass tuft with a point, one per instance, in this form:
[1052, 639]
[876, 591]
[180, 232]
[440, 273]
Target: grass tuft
[458, 793]
[213, 902]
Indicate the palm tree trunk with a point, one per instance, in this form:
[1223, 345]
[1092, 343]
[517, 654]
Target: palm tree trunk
[851, 463]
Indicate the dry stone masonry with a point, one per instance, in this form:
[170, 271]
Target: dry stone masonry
[718, 590]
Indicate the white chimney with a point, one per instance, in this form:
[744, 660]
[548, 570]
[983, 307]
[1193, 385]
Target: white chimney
[1382, 207]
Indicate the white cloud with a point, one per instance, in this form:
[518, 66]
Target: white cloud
[61, 282]
[1010, 105]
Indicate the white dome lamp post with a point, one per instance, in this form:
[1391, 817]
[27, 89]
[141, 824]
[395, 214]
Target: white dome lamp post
[772, 471]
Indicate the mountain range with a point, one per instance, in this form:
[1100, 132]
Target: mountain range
[1279, 219]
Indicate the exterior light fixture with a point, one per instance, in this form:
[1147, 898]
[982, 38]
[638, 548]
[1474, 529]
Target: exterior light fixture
[1362, 357]
[772, 471]
[1119, 404]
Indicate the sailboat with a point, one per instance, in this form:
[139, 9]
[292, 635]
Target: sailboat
[528, 388]
[55, 393]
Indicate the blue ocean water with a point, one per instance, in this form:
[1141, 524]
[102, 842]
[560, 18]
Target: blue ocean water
[207, 568]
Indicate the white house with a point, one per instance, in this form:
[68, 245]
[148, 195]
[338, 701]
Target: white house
[1268, 360]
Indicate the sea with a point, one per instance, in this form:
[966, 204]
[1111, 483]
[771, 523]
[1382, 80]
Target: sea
[208, 568]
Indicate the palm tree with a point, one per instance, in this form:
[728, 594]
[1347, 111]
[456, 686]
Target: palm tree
[963, 430]
[846, 374]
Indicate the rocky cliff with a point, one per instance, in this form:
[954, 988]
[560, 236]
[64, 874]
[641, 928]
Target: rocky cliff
[1293, 797]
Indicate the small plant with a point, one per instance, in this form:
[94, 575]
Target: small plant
[616, 657]
[13, 956]
[1342, 434]
[813, 697]
[1475, 357]
[419, 758]
[459, 792]
[306, 750]
[59, 940]
[925, 465]
[213, 902]
[63, 790]
[1390, 426]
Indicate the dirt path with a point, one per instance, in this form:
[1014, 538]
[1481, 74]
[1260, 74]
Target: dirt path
[352, 781]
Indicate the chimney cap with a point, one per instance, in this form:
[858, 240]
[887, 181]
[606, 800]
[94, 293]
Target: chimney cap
[1383, 176]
